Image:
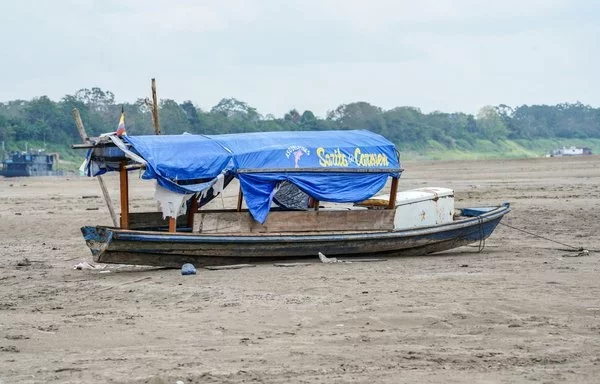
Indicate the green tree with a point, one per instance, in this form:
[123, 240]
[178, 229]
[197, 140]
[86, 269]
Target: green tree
[96, 98]
[292, 116]
[406, 125]
[490, 124]
[173, 119]
[236, 110]
[7, 130]
[360, 115]
[308, 121]
[194, 116]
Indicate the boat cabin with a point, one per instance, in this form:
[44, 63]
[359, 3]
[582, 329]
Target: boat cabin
[283, 176]
[29, 164]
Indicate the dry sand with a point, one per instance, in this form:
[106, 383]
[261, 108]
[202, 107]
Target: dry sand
[518, 312]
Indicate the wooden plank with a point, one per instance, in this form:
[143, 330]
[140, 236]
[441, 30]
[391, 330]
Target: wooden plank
[93, 144]
[234, 266]
[172, 224]
[141, 220]
[124, 181]
[288, 265]
[132, 167]
[85, 146]
[295, 221]
[85, 139]
[222, 222]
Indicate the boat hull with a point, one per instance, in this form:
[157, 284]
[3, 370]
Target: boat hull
[112, 245]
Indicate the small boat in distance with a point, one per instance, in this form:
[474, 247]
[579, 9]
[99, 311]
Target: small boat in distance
[570, 151]
[30, 163]
[313, 167]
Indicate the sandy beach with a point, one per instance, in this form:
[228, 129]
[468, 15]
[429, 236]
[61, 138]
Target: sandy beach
[523, 310]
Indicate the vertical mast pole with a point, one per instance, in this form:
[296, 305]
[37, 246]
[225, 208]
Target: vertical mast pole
[124, 180]
[393, 193]
[193, 208]
[240, 199]
[155, 108]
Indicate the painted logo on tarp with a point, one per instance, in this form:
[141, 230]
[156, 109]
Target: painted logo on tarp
[296, 152]
[338, 158]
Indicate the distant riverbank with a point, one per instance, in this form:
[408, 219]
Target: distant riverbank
[70, 159]
[504, 149]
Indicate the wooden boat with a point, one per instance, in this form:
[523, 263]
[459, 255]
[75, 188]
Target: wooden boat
[415, 222]
[161, 248]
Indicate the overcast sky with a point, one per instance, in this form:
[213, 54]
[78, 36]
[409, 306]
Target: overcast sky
[307, 54]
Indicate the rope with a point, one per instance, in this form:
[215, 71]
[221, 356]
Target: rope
[481, 235]
[579, 249]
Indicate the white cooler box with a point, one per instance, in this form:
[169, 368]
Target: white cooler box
[424, 207]
[420, 207]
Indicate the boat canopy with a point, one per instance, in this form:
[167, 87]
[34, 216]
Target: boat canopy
[335, 166]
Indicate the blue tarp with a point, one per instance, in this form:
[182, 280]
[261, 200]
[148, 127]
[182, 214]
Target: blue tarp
[189, 163]
[181, 158]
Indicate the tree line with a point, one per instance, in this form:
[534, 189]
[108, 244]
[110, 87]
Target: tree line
[42, 119]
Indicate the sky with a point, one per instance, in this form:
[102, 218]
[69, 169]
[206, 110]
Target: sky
[276, 55]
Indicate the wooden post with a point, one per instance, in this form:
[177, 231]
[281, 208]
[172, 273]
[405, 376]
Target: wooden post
[172, 224]
[79, 124]
[124, 179]
[240, 200]
[155, 108]
[85, 139]
[316, 202]
[393, 193]
[108, 200]
[191, 210]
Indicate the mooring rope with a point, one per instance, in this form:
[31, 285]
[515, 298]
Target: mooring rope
[481, 235]
[579, 249]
